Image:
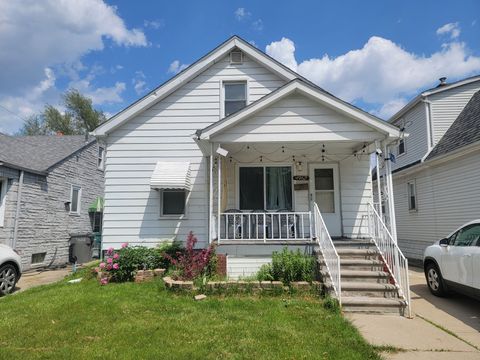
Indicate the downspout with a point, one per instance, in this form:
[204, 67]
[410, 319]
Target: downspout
[17, 210]
[389, 183]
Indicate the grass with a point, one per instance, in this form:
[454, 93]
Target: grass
[145, 321]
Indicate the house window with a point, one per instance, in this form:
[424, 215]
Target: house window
[75, 199]
[325, 190]
[268, 187]
[3, 193]
[401, 147]
[412, 196]
[101, 157]
[38, 258]
[173, 202]
[235, 96]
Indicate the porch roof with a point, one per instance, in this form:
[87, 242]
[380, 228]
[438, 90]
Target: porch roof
[385, 130]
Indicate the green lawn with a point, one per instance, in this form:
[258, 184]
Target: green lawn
[144, 321]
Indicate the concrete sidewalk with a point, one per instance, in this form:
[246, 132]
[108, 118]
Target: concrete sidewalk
[429, 334]
[42, 277]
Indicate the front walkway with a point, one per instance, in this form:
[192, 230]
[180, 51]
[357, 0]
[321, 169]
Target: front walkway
[442, 328]
[42, 277]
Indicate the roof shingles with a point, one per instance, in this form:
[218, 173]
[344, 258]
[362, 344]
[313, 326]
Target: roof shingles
[39, 153]
[464, 131]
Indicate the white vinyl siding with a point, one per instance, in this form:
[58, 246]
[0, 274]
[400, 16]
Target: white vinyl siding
[241, 267]
[164, 133]
[447, 105]
[416, 144]
[449, 195]
[297, 117]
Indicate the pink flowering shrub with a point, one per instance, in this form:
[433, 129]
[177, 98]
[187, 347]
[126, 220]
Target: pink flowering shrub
[193, 263]
[109, 266]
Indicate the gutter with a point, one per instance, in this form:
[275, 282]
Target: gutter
[17, 210]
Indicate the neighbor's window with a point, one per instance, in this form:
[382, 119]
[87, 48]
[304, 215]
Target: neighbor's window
[3, 192]
[235, 96]
[38, 258]
[412, 196]
[173, 202]
[75, 198]
[101, 157]
[401, 147]
[265, 187]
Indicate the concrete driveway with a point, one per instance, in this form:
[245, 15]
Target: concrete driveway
[441, 328]
[41, 277]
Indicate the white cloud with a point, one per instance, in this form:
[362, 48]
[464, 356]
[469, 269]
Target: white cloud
[257, 25]
[283, 51]
[381, 72]
[452, 29]
[241, 14]
[390, 108]
[139, 83]
[175, 67]
[153, 24]
[54, 35]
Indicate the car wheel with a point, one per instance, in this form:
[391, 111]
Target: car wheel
[435, 280]
[8, 279]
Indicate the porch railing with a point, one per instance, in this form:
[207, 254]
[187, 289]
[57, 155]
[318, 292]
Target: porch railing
[395, 261]
[265, 226]
[330, 255]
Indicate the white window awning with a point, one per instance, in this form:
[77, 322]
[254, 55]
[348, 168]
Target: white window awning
[171, 175]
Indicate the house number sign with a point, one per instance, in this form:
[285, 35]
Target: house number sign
[301, 177]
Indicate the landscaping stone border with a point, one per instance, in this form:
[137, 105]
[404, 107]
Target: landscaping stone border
[241, 285]
[140, 276]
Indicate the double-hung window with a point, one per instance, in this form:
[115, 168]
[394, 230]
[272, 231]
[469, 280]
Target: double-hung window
[265, 188]
[3, 195]
[75, 199]
[401, 147]
[101, 157]
[235, 96]
[412, 196]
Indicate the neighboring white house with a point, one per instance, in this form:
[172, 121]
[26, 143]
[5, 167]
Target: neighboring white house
[274, 142]
[436, 177]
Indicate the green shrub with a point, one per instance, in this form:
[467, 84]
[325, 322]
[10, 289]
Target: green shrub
[168, 251]
[288, 266]
[135, 258]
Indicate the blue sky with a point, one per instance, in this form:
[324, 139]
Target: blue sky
[376, 54]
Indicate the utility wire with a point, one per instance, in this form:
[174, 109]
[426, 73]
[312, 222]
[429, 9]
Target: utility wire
[11, 112]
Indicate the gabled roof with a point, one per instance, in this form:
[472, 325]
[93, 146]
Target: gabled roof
[464, 131]
[432, 91]
[38, 154]
[309, 90]
[191, 72]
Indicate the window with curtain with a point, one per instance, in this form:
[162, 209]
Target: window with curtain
[268, 187]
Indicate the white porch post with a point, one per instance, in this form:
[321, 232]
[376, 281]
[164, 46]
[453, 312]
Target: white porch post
[210, 203]
[379, 188]
[219, 195]
[389, 183]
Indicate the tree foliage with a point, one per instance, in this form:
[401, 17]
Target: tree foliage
[78, 118]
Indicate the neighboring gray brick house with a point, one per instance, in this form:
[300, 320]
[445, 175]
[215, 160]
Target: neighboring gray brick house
[58, 177]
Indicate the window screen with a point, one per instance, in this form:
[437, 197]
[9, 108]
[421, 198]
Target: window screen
[235, 97]
[325, 190]
[173, 202]
[251, 188]
[412, 196]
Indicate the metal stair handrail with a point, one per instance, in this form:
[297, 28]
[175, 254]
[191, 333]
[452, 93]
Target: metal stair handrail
[329, 253]
[393, 258]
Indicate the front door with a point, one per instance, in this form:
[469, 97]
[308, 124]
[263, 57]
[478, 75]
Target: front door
[325, 191]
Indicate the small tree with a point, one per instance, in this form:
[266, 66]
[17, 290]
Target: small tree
[79, 117]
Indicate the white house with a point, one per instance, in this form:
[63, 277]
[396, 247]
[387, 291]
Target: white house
[244, 152]
[437, 170]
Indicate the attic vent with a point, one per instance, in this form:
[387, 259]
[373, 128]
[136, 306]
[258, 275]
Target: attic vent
[236, 57]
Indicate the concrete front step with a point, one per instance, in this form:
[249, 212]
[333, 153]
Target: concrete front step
[349, 253]
[373, 305]
[357, 264]
[363, 289]
[364, 276]
[354, 244]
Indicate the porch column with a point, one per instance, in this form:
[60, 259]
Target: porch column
[219, 194]
[389, 183]
[210, 202]
[379, 187]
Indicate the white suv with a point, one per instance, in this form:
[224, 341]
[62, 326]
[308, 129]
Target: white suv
[453, 263]
[10, 269]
